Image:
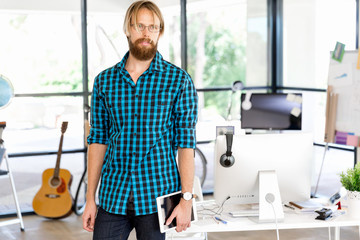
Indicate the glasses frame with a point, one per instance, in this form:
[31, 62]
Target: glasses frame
[146, 26]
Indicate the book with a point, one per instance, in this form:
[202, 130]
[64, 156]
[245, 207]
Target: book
[306, 206]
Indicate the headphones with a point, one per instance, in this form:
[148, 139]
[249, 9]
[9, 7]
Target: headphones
[227, 159]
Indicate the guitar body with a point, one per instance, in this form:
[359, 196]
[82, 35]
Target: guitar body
[54, 200]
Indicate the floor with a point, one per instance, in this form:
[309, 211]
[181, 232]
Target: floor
[70, 228]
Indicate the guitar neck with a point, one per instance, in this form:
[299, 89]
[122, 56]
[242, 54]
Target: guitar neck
[57, 166]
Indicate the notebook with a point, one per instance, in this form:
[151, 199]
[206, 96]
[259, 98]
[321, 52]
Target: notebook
[306, 206]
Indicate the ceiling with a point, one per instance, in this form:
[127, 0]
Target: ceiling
[255, 7]
[75, 5]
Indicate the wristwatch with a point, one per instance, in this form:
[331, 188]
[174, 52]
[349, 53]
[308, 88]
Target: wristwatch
[187, 196]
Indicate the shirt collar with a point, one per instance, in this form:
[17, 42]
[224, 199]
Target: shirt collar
[121, 64]
[155, 65]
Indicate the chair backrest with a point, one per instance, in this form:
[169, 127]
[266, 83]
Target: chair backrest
[197, 189]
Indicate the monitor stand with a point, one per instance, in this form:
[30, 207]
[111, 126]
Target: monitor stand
[269, 197]
[249, 131]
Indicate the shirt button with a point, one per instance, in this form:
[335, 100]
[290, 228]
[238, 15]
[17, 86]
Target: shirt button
[134, 153]
[135, 114]
[136, 95]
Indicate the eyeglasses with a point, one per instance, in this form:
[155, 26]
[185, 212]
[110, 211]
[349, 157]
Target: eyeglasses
[151, 28]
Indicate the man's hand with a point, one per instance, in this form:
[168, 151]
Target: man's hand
[89, 216]
[182, 213]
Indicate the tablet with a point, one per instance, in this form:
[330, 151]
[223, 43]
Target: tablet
[165, 206]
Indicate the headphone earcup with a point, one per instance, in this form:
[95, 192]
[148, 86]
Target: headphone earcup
[227, 161]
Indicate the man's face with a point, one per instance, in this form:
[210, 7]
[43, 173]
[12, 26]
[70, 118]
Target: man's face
[143, 44]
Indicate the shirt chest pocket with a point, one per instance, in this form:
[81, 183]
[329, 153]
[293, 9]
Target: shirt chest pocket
[159, 112]
[117, 109]
[163, 100]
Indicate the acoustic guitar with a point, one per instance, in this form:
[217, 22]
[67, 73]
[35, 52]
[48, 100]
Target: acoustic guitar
[54, 200]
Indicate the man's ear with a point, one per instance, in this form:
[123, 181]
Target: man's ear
[127, 34]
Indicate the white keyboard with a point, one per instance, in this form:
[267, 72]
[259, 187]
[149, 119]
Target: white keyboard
[245, 213]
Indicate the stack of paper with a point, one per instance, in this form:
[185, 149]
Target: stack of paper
[306, 206]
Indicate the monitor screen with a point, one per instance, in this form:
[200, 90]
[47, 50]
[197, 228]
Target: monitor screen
[289, 154]
[279, 111]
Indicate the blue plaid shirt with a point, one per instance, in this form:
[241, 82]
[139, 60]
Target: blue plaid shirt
[143, 124]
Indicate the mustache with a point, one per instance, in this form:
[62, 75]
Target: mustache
[147, 40]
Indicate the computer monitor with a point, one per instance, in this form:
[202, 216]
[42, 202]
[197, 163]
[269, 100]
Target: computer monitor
[278, 111]
[289, 154]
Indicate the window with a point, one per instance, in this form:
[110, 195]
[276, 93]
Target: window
[217, 42]
[227, 41]
[41, 52]
[41, 55]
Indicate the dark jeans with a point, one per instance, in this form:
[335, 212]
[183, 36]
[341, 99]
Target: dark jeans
[113, 226]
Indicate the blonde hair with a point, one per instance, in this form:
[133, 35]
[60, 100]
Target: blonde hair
[132, 12]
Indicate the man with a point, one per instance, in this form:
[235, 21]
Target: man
[143, 111]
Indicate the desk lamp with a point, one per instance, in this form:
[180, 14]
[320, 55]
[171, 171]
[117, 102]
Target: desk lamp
[236, 86]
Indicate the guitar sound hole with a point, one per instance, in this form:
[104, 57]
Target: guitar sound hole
[55, 182]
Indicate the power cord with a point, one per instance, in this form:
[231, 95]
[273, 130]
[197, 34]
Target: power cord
[221, 209]
[214, 211]
[270, 198]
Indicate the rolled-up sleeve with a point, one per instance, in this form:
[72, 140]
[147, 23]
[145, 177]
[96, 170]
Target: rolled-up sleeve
[99, 120]
[186, 110]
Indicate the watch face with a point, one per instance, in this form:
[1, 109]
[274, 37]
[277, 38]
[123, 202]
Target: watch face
[187, 196]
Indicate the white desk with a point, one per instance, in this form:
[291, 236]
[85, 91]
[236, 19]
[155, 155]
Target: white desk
[292, 220]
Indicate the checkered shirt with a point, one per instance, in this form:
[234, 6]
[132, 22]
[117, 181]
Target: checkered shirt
[143, 124]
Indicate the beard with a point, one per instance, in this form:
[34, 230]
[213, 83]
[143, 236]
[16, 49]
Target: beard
[142, 53]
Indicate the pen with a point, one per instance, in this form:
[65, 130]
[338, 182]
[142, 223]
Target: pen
[219, 219]
[285, 205]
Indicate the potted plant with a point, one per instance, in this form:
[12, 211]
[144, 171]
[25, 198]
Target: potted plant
[351, 182]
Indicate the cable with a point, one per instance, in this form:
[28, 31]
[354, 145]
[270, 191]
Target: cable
[270, 198]
[214, 211]
[276, 225]
[221, 209]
